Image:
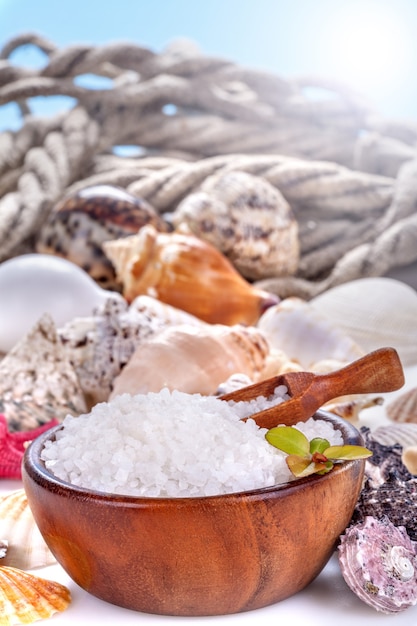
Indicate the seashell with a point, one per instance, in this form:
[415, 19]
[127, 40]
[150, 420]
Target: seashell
[187, 273]
[13, 445]
[350, 409]
[278, 362]
[389, 488]
[409, 458]
[404, 407]
[26, 546]
[374, 312]
[306, 336]
[37, 380]
[80, 223]
[405, 434]
[248, 220]
[193, 359]
[34, 284]
[25, 598]
[379, 563]
[99, 346]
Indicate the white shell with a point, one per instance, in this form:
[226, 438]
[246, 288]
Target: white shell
[305, 335]
[34, 284]
[375, 312]
[404, 434]
[26, 546]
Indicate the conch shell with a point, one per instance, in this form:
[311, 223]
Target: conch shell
[25, 598]
[27, 549]
[193, 359]
[247, 219]
[379, 563]
[188, 273]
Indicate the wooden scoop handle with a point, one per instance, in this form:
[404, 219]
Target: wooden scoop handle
[377, 372]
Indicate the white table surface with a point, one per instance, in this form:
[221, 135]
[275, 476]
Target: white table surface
[326, 600]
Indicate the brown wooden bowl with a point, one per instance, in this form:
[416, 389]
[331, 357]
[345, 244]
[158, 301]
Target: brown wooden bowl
[195, 556]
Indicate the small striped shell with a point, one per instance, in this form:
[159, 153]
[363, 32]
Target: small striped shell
[26, 547]
[403, 433]
[379, 563]
[25, 598]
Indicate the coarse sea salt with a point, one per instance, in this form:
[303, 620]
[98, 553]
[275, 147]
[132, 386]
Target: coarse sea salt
[171, 444]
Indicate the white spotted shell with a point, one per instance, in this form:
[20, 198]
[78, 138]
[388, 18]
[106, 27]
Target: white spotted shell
[379, 563]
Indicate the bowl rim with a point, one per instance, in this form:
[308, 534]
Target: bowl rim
[35, 468]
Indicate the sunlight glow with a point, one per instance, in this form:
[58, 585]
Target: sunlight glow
[371, 47]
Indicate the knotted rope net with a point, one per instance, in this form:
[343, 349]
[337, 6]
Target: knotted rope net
[348, 173]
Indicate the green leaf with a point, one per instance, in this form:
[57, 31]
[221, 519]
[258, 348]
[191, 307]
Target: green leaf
[300, 465]
[289, 440]
[347, 453]
[318, 445]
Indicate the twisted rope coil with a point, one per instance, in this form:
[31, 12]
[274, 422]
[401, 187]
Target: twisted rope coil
[347, 173]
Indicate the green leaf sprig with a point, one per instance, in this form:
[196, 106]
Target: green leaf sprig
[311, 457]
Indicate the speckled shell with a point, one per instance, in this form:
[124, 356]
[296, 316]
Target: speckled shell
[379, 563]
[79, 224]
[99, 346]
[37, 380]
[306, 336]
[404, 407]
[247, 219]
[25, 598]
[27, 549]
[193, 359]
[184, 271]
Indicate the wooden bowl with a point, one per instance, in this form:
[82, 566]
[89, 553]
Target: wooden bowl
[195, 556]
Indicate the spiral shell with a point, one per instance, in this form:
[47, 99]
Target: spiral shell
[379, 563]
[193, 359]
[80, 223]
[187, 273]
[25, 598]
[248, 220]
[26, 546]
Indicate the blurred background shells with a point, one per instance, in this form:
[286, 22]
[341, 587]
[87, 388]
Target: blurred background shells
[27, 549]
[79, 224]
[25, 598]
[34, 284]
[379, 563]
[188, 273]
[375, 312]
[306, 336]
[247, 219]
[193, 359]
[403, 408]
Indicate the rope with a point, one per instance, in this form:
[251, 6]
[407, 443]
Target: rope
[347, 173]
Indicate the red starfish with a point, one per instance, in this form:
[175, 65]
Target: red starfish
[13, 445]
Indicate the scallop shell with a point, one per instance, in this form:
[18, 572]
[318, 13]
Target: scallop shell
[248, 220]
[99, 346]
[379, 563]
[25, 598]
[34, 284]
[404, 407]
[37, 380]
[305, 335]
[193, 359]
[374, 312]
[26, 546]
[80, 223]
[187, 273]
[405, 434]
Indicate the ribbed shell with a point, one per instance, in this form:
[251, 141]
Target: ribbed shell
[25, 598]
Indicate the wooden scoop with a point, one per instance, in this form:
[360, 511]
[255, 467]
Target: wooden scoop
[377, 372]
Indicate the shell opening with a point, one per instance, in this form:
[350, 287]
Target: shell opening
[401, 564]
